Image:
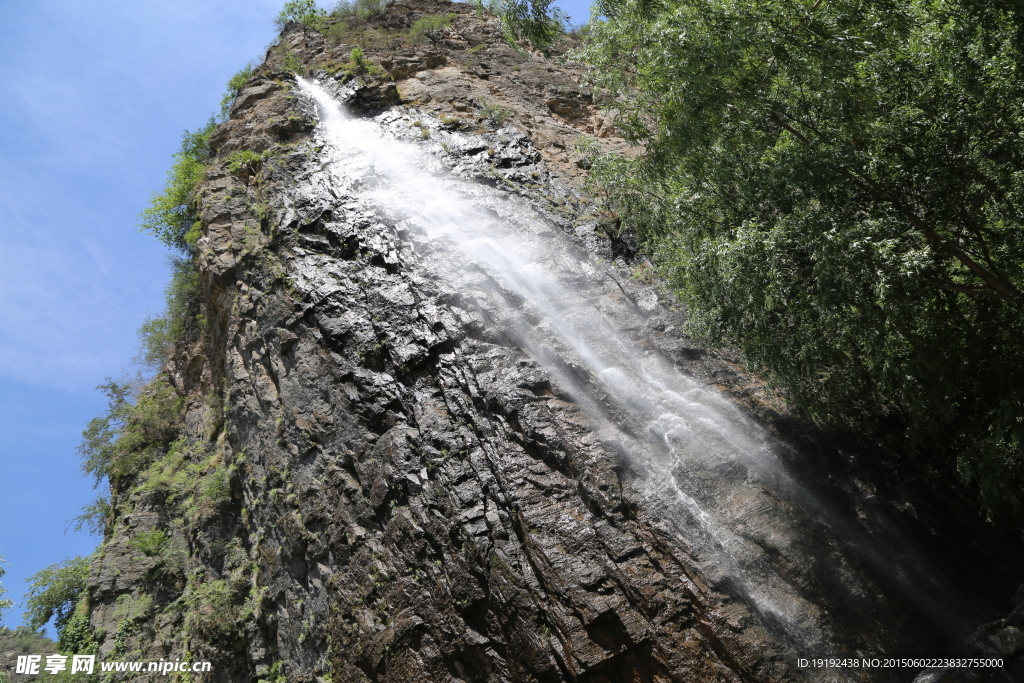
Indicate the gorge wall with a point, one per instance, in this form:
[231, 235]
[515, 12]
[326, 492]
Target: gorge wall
[379, 460]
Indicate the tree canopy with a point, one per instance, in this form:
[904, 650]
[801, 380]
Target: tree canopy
[535, 21]
[138, 425]
[303, 11]
[837, 190]
[54, 592]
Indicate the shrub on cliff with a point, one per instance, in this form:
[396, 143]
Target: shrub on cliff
[426, 28]
[837, 189]
[59, 593]
[172, 215]
[5, 603]
[173, 218]
[136, 430]
[303, 11]
[54, 592]
[360, 10]
[139, 427]
[158, 334]
[235, 84]
[534, 21]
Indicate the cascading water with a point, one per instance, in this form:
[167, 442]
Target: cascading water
[711, 474]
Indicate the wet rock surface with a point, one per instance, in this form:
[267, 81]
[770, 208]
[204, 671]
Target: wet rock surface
[418, 484]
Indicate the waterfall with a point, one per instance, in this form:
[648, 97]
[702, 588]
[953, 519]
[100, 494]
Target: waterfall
[714, 477]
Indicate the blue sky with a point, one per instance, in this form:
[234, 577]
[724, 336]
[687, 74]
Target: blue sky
[93, 102]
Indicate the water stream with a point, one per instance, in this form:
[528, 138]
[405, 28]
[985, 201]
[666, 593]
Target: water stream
[711, 473]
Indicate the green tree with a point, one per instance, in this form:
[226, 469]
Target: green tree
[93, 517]
[359, 10]
[77, 635]
[837, 189]
[137, 429]
[5, 603]
[157, 335]
[303, 11]
[532, 20]
[99, 439]
[172, 216]
[234, 85]
[427, 28]
[54, 592]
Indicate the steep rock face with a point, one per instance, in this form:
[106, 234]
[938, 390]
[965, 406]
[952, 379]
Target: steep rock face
[367, 473]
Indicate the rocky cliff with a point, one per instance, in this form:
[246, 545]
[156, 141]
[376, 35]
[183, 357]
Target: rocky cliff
[372, 458]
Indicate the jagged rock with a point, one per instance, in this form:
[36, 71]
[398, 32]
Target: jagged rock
[402, 65]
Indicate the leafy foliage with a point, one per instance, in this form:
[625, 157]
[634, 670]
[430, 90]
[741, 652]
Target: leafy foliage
[243, 159]
[289, 60]
[158, 335]
[5, 603]
[173, 218]
[360, 10]
[214, 607]
[426, 28]
[837, 189]
[494, 113]
[77, 637]
[54, 592]
[172, 215]
[356, 33]
[150, 542]
[235, 84]
[101, 434]
[357, 64]
[94, 517]
[357, 58]
[133, 607]
[303, 11]
[532, 20]
[189, 479]
[274, 675]
[135, 431]
[352, 25]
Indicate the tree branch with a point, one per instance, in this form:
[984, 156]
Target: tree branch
[977, 290]
[1003, 289]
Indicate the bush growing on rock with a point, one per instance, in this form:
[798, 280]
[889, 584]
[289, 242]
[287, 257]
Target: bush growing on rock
[359, 9]
[54, 592]
[172, 214]
[303, 11]
[5, 603]
[531, 20]
[157, 335]
[234, 85]
[135, 431]
[426, 28]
